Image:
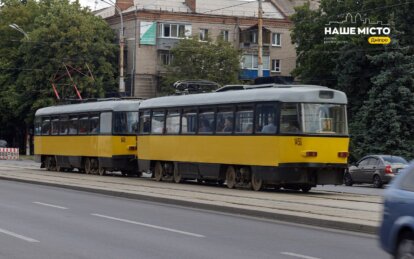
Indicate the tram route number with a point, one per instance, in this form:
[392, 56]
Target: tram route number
[298, 141]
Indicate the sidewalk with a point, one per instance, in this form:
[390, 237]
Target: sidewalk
[352, 212]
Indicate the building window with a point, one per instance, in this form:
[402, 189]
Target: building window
[225, 35]
[276, 39]
[168, 30]
[251, 62]
[253, 37]
[165, 58]
[275, 65]
[203, 34]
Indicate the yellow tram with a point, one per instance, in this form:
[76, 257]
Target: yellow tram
[93, 137]
[286, 136]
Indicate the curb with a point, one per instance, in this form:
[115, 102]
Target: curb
[331, 224]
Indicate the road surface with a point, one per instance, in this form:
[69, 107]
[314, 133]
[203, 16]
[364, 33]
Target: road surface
[46, 222]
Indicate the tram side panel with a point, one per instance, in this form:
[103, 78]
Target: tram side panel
[277, 159]
[113, 152]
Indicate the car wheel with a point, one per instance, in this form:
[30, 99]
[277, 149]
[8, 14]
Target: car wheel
[377, 182]
[348, 179]
[405, 247]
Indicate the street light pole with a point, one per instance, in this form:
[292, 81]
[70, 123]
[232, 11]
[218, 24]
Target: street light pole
[260, 39]
[121, 48]
[17, 28]
[28, 138]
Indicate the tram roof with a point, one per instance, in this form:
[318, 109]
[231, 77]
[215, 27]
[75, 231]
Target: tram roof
[113, 105]
[297, 93]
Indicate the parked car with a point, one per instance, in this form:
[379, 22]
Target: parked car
[397, 227]
[375, 169]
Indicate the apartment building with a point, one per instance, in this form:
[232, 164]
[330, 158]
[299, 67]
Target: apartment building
[153, 27]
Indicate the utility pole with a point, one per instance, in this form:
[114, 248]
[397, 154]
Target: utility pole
[121, 48]
[260, 39]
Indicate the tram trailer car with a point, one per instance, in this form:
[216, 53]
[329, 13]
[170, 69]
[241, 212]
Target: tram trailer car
[295, 137]
[93, 137]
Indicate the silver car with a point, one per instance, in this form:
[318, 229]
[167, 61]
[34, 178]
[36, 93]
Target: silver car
[375, 169]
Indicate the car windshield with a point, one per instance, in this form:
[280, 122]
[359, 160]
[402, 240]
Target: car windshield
[394, 160]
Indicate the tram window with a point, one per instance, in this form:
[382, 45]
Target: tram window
[94, 124]
[106, 123]
[265, 119]
[289, 118]
[120, 123]
[189, 121]
[132, 122]
[125, 122]
[38, 126]
[73, 125]
[45, 126]
[55, 126]
[324, 118]
[83, 125]
[244, 119]
[145, 122]
[206, 121]
[172, 123]
[225, 121]
[157, 122]
[64, 125]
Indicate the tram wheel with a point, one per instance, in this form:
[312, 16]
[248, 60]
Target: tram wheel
[231, 177]
[177, 175]
[50, 163]
[88, 166]
[158, 172]
[257, 183]
[94, 166]
[101, 171]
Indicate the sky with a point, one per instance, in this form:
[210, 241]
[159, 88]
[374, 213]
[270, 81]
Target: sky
[93, 4]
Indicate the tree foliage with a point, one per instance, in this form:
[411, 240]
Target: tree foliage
[378, 80]
[215, 61]
[59, 32]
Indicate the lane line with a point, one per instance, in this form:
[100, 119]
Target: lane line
[28, 239]
[50, 205]
[299, 255]
[148, 225]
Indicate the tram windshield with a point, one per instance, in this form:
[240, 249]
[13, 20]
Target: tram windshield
[313, 118]
[324, 118]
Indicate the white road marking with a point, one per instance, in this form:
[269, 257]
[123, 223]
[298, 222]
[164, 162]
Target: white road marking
[148, 225]
[299, 255]
[28, 239]
[50, 205]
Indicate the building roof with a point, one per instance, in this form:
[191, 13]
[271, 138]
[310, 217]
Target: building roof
[240, 8]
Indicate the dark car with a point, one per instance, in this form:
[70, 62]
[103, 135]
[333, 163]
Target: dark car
[397, 227]
[375, 169]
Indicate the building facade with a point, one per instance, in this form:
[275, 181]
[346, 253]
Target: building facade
[153, 28]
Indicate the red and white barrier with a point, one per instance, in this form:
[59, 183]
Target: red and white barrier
[7, 153]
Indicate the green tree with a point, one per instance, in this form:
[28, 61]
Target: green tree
[192, 59]
[60, 32]
[385, 123]
[375, 89]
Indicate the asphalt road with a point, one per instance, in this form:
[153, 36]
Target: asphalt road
[45, 222]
